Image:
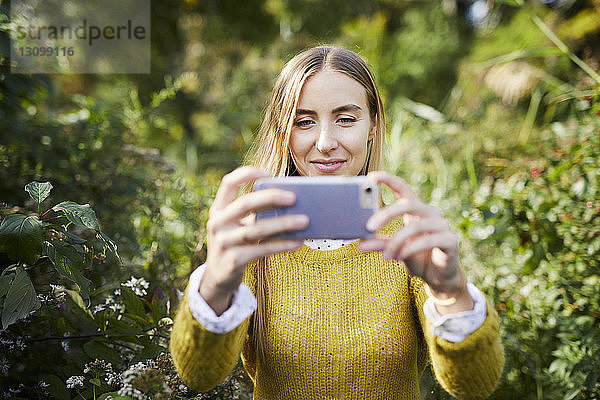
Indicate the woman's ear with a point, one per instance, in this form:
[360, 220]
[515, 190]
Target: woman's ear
[373, 130]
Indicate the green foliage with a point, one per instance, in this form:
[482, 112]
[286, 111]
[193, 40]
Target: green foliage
[529, 232]
[20, 299]
[498, 125]
[21, 237]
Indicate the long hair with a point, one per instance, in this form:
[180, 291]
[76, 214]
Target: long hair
[271, 149]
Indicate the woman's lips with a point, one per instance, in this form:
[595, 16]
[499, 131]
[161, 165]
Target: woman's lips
[328, 166]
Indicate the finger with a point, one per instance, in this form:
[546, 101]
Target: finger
[397, 184]
[399, 208]
[242, 255]
[445, 241]
[412, 232]
[261, 230]
[231, 183]
[374, 244]
[251, 202]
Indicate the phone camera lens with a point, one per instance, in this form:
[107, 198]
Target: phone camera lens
[368, 190]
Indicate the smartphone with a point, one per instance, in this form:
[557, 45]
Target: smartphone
[338, 207]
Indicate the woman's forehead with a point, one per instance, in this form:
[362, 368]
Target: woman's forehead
[331, 89]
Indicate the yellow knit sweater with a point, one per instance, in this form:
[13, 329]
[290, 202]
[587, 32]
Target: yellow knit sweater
[341, 324]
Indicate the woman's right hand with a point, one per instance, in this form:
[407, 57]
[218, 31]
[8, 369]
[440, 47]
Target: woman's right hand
[234, 235]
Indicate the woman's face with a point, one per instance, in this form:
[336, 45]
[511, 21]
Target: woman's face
[332, 126]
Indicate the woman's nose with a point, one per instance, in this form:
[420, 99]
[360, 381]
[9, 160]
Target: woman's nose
[326, 141]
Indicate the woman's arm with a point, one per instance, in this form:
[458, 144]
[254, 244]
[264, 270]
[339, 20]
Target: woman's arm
[204, 358]
[471, 368]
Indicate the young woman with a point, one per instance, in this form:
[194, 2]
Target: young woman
[331, 318]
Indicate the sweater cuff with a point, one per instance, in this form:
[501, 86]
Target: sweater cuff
[456, 327]
[242, 306]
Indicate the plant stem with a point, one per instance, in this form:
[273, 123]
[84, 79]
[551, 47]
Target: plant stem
[559, 43]
[89, 335]
[45, 212]
[563, 47]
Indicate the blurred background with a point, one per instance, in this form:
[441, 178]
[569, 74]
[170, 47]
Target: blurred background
[493, 114]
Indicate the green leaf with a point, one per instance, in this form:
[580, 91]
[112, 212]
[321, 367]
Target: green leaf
[57, 388]
[68, 262]
[4, 284]
[78, 300]
[38, 191]
[114, 396]
[97, 349]
[118, 327]
[111, 246]
[21, 237]
[78, 214]
[133, 304]
[20, 300]
[150, 351]
[95, 381]
[74, 238]
[514, 3]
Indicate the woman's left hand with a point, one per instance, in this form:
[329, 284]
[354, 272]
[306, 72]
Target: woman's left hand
[425, 243]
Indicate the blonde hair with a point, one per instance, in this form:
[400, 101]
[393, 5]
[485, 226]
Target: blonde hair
[271, 149]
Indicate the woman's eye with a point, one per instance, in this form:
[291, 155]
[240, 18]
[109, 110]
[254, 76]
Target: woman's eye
[346, 120]
[303, 123]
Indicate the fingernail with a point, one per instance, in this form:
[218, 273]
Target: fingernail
[301, 220]
[371, 225]
[288, 196]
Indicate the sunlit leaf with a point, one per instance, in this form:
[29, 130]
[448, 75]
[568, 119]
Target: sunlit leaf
[423, 110]
[78, 300]
[110, 246]
[38, 191]
[78, 214]
[4, 284]
[21, 299]
[21, 237]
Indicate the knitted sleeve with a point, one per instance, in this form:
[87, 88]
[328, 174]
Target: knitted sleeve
[471, 368]
[202, 358]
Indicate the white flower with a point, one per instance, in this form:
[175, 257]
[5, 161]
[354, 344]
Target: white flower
[20, 344]
[43, 384]
[129, 390]
[113, 379]
[183, 388]
[99, 307]
[74, 381]
[4, 365]
[112, 304]
[138, 285]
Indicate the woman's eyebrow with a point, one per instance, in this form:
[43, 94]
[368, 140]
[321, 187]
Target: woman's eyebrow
[346, 107]
[301, 111]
